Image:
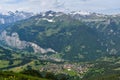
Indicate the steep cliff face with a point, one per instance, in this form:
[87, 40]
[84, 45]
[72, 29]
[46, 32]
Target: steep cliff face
[14, 41]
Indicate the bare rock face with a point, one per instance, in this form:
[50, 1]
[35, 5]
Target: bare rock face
[14, 41]
[39, 49]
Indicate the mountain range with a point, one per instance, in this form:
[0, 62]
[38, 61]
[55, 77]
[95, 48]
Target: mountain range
[76, 36]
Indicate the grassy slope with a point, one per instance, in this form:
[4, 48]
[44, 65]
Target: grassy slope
[17, 76]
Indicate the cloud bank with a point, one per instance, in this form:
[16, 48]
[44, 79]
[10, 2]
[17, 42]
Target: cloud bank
[102, 6]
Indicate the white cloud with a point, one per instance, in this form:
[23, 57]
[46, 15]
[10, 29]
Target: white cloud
[61, 5]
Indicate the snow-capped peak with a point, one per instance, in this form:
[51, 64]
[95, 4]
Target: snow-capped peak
[13, 16]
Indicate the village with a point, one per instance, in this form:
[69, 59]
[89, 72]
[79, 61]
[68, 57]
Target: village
[67, 68]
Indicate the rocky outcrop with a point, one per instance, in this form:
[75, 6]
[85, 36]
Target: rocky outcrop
[14, 41]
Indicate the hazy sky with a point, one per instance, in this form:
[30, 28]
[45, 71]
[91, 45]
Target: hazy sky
[102, 6]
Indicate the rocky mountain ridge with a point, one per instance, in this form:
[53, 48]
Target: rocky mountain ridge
[10, 17]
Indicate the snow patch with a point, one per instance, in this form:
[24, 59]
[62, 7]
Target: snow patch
[49, 20]
[81, 13]
[51, 15]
